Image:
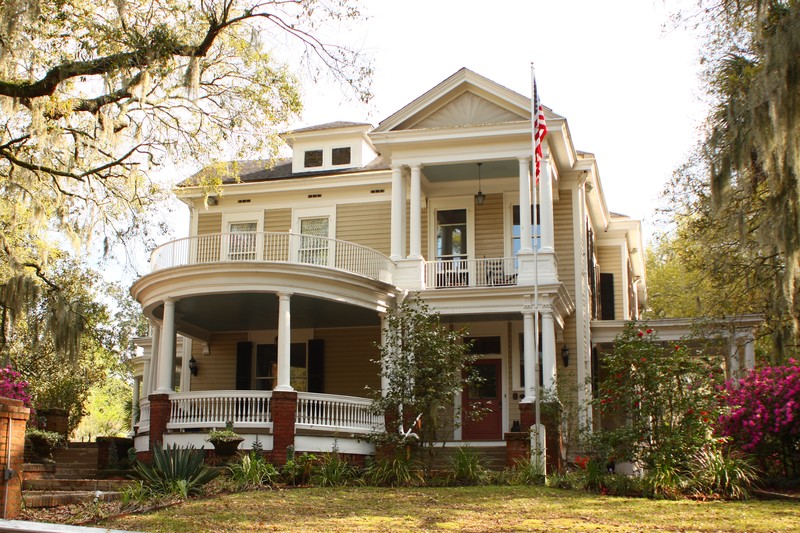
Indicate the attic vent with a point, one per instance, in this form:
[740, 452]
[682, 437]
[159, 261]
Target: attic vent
[245, 201]
[315, 196]
[377, 191]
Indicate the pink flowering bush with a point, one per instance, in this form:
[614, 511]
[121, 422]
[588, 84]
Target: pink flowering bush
[13, 386]
[762, 415]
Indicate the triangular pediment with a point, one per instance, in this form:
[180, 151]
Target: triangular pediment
[467, 109]
[463, 99]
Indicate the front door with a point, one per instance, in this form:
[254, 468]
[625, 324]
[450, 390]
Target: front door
[483, 398]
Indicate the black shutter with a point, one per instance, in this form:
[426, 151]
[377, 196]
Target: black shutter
[316, 365]
[244, 368]
[606, 296]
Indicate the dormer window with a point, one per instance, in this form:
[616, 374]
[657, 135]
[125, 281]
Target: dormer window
[312, 158]
[340, 156]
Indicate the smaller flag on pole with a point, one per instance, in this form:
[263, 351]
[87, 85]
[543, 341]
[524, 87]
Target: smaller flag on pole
[539, 128]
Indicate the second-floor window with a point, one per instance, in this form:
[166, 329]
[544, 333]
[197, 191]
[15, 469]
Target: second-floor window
[516, 230]
[242, 245]
[314, 241]
[451, 234]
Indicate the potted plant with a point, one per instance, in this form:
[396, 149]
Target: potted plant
[43, 443]
[226, 441]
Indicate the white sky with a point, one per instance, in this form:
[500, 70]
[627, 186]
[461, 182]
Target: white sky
[628, 88]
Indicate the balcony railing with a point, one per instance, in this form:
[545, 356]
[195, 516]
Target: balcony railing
[273, 247]
[208, 409]
[493, 272]
[344, 413]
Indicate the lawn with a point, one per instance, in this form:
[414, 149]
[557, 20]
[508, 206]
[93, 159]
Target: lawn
[459, 509]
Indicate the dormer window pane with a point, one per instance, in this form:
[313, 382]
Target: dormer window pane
[313, 158]
[341, 156]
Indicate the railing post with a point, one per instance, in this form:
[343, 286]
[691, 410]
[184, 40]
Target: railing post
[284, 413]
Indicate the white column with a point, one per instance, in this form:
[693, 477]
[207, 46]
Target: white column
[398, 213]
[749, 351]
[284, 342]
[528, 357]
[166, 354]
[548, 350]
[525, 204]
[415, 229]
[155, 350]
[186, 374]
[146, 378]
[733, 358]
[384, 378]
[134, 401]
[546, 203]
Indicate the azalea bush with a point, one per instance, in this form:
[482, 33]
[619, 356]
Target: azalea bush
[13, 386]
[762, 416]
[663, 397]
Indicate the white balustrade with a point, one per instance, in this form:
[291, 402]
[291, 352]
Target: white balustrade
[216, 408]
[492, 272]
[144, 416]
[344, 413]
[272, 247]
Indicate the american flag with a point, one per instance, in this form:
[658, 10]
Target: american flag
[539, 129]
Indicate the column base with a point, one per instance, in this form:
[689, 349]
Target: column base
[547, 268]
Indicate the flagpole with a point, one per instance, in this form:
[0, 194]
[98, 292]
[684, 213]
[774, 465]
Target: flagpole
[536, 369]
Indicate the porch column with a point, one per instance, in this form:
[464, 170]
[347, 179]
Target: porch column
[398, 214]
[525, 204]
[186, 374]
[284, 342]
[416, 213]
[749, 351]
[146, 378]
[134, 403]
[529, 358]
[733, 358]
[155, 349]
[384, 378]
[166, 354]
[546, 203]
[548, 350]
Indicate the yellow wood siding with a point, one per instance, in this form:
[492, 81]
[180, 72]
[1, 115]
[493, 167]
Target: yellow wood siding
[609, 261]
[365, 224]
[208, 249]
[280, 221]
[489, 236]
[348, 359]
[217, 370]
[564, 240]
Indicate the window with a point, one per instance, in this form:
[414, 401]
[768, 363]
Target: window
[242, 246]
[267, 367]
[314, 241]
[340, 156]
[313, 158]
[451, 236]
[516, 230]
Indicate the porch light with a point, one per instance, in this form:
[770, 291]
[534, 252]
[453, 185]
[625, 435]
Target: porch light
[213, 200]
[193, 366]
[565, 355]
[480, 197]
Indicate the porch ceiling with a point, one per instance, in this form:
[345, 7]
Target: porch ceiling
[255, 311]
[460, 171]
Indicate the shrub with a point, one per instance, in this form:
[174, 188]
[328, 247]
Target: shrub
[466, 468]
[396, 472]
[664, 480]
[763, 415]
[529, 471]
[175, 471]
[252, 471]
[722, 472]
[13, 386]
[297, 469]
[333, 471]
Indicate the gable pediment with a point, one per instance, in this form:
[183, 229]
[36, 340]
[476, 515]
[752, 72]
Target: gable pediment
[468, 109]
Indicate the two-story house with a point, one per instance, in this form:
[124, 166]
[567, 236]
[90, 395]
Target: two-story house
[270, 310]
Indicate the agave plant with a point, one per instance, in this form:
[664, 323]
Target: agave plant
[177, 471]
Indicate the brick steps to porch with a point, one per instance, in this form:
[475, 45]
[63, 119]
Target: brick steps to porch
[37, 499]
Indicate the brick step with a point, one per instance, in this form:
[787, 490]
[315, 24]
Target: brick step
[76, 473]
[55, 498]
[491, 457]
[104, 485]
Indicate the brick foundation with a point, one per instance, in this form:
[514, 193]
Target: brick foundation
[283, 407]
[518, 447]
[13, 417]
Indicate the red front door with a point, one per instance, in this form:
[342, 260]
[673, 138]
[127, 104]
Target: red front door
[485, 397]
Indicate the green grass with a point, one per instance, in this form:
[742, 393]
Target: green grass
[488, 508]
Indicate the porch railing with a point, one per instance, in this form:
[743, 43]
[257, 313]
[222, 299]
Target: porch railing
[492, 272]
[216, 408]
[144, 416]
[346, 413]
[273, 247]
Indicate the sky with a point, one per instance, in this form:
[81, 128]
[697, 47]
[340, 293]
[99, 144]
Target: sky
[627, 86]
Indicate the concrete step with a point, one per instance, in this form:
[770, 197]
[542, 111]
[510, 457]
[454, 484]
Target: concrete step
[104, 485]
[55, 498]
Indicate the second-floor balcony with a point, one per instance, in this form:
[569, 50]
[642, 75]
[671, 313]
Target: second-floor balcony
[274, 248]
[323, 252]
